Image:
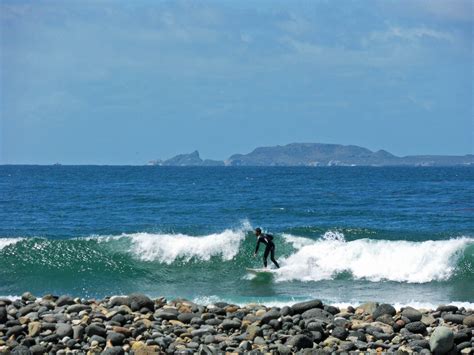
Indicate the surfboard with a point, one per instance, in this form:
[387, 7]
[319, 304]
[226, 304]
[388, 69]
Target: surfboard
[260, 271]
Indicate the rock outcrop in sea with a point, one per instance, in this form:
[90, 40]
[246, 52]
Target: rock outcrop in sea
[136, 324]
[318, 154]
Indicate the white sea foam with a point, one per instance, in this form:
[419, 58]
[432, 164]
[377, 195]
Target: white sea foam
[167, 248]
[374, 260]
[4, 242]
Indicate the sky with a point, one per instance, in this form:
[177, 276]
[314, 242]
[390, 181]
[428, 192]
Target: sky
[125, 82]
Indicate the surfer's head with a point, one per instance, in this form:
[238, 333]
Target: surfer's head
[258, 231]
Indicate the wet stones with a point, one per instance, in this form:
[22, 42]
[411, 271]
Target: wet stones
[63, 325]
[302, 307]
[384, 309]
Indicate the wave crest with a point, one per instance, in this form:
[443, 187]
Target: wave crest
[167, 248]
[374, 260]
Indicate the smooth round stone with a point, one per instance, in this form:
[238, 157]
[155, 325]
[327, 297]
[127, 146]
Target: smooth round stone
[115, 338]
[412, 314]
[64, 330]
[384, 309]
[416, 327]
[340, 333]
[442, 340]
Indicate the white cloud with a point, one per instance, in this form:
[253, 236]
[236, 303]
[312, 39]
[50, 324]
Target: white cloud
[409, 34]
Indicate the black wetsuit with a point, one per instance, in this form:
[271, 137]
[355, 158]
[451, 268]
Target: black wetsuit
[267, 239]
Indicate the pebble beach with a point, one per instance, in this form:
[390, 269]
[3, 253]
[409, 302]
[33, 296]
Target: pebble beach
[137, 324]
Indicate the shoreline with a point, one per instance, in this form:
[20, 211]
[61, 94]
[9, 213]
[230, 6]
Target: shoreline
[136, 324]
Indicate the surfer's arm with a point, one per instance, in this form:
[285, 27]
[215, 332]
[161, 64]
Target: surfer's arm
[258, 244]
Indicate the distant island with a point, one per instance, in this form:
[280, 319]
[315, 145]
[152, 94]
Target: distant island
[318, 154]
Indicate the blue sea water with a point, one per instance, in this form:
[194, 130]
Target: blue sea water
[343, 234]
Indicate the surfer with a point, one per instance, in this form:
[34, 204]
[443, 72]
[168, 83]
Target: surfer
[266, 239]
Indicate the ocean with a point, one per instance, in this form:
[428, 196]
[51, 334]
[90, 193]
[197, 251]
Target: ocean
[345, 235]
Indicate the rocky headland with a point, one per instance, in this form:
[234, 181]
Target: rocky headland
[136, 324]
[318, 154]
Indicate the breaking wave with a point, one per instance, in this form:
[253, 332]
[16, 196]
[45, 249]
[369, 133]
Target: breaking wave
[374, 260]
[329, 257]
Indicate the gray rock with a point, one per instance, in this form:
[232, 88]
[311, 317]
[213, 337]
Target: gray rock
[203, 330]
[454, 318]
[347, 346]
[384, 309]
[197, 321]
[442, 340]
[230, 324]
[119, 301]
[286, 311]
[301, 307]
[71, 343]
[369, 307]
[15, 330]
[214, 321]
[192, 345]
[52, 338]
[96, 329]
[28, 297]
[209, 339]
[32, 316]
[168, 314]
[317, 336]
[299, 342]
[283, 350]
[21, 350]
[5, 301]
[97, 338]
[76, 308]
[319, 314]
[139, 301]
[357, 335]
[119, 318]
[412, 314]
[27, 309]
[27, 341]
[115, 338]
[361, 345]
[468, 321]
[64, 330]
[463, 345]
[422, 343]
[275, 324]
[77, 332]
[340, 333]
[331, 309]
[416, 327]
[245, 345]
[386, 318]
[64, 301]
[268, 316]
[115, 350]
[462, 336]
[186, 317]
[253, 331]
[3, 315]
[371, 329]
[37, 350]
[315, 326]
[206, 350]
[383, 336]
[447, 308]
